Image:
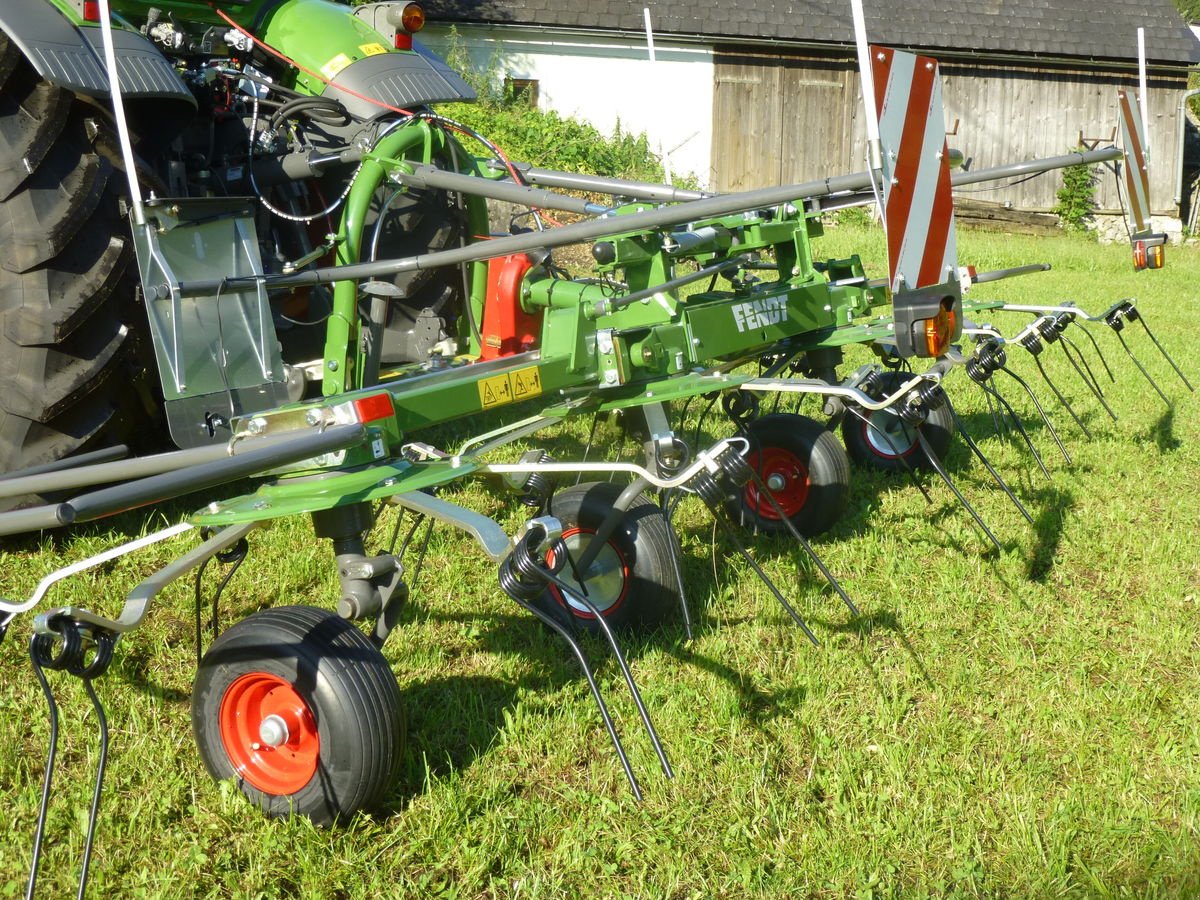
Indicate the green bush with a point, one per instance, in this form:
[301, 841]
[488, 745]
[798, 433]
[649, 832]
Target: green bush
[1076, 198]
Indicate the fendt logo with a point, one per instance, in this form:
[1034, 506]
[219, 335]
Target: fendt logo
[759, 313]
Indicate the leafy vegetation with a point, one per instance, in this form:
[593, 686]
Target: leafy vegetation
[525, 132]
[1021, 723]
[1076, 198]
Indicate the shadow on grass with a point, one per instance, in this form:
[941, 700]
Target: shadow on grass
[1163, 432]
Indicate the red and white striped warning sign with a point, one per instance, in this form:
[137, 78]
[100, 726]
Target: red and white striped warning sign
[918, 208]
[1137, 166]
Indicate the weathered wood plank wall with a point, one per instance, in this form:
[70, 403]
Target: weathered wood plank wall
[779, 119]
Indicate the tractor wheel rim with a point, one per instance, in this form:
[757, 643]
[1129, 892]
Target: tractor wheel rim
[607, 577]
[776, 465]
[269, 733]
[900, 438]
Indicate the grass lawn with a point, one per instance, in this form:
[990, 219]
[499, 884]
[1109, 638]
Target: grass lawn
[1023, 723]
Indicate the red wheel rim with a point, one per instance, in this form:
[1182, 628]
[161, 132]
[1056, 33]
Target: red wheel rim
[777, 465]
[610, 558]
[269, 733]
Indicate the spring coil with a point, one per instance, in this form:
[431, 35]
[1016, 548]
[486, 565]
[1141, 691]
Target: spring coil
[68, 648]
[714, 488]
[916, 406]
[872, 384]
[538, 486]
[1031, 342]
[989, 358]
[1062, 320]
[1049, 330]
[740, 406]
[522, 575]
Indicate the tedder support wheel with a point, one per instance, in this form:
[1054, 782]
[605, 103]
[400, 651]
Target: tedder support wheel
[889, 443]
[632, 581]
[70, 375]
[805, 469]
[298, 706]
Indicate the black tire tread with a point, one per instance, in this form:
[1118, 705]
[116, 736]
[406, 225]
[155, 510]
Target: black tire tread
[72, 352]
[340, 653]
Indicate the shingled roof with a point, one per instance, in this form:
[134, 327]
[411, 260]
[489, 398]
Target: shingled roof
[1084, 29]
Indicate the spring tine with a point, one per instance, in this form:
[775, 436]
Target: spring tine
[668, 509]
[1137, 362]
[1100, 353]
[970, 442]
[937, 465]
[581, 595]
[804, 542]
[591, 680]
[731, 533]
[1165, 354]
[48, 775]
[987, 395]
[1061, 399]
[1089, 379]
[1041, 412]
[1020, 428]
[95, 809]
[908, 469]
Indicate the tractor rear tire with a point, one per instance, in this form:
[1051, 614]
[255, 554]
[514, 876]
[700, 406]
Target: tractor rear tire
[71, 372]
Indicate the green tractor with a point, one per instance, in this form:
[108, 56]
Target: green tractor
[260, 99]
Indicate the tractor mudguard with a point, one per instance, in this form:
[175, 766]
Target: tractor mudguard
[72, 57]
[402, 80]
[327, 38]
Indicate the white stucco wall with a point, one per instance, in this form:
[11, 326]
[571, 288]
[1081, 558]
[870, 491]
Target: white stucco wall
[606, 81]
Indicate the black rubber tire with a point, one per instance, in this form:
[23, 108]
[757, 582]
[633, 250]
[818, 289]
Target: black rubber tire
[867, 447]
[349, 689]
[419, 221]
[72, 372]
[813, 467]
[640, 548]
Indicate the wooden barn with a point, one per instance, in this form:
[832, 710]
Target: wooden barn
[766, 91]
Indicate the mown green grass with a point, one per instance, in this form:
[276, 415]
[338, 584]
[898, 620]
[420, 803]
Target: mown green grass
[1013, 724]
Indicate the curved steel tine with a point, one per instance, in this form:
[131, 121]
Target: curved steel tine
[581, 594]
[102, 721]
[731, 533]
[987, 395]
[1137, 362]
[937, 465]
[970, 442]
[1100, 353]
[912, 475]
[1041, 412]
[562, 632]
[1166, 355]
[1020, 428]
[1061, 399]
[668, 511]
[763, 491]
[48, 774]
[1089, 378]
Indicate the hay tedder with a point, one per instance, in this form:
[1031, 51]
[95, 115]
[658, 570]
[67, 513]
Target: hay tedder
[314, 356]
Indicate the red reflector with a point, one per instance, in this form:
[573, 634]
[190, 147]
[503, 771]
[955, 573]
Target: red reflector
[377, 406]
[91, 10]
[403, 41]
[1150, 256]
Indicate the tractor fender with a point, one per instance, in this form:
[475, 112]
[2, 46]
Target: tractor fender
[73, 58]
[399, 79]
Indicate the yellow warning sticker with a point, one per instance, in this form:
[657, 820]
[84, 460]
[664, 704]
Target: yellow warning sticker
[495, 391]
[335, 65]
[523, 384]
[526, 383]
[372, 49]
